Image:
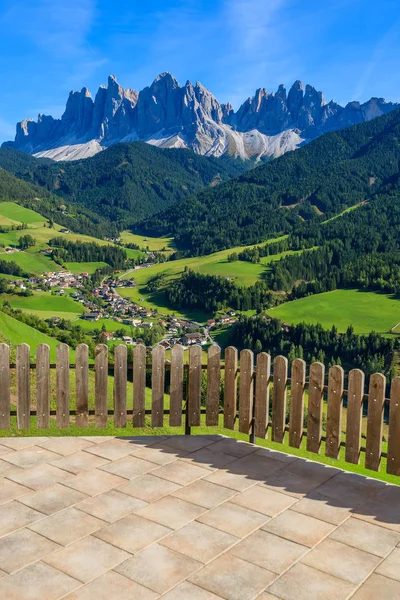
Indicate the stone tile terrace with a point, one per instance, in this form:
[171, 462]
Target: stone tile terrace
[189, 518]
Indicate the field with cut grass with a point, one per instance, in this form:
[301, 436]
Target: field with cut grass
[366, 311]
[31, 261]
[17, 214]
[45, 305]
[152, 243]
[84, 267]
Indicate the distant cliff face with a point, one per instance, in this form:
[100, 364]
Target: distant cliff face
[169, 115]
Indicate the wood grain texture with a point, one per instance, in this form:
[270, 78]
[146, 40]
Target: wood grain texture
[246, 390]
[23, 386]
[139, 385]
[334, 413]
[157, 386]
[376, 399]
[230, 387]
[393, 458]
[43, 386]
[101, 385]
[176, 386]
[4, 386]
[62, 386]
[355, 396]
[279, 399]
[261, 407]
[120, 381]
[315, 407]
[213, 385]
[298, 379]
[82, 385]
[194, 386]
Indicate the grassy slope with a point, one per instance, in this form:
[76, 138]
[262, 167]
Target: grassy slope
[153, 243]
[44, 305]
[366, 311]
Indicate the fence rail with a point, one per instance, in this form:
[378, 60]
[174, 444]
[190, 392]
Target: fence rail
[255, 399]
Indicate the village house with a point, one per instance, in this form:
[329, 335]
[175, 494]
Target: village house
[192, 338]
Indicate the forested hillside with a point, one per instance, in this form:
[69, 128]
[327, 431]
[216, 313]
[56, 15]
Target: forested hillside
[312, 184]
[126, 182]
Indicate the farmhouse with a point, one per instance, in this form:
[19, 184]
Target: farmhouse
[91, 316]
[192, 338]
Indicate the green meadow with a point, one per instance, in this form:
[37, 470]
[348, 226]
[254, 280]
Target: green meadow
[365, 311]
[45, 305]
[152, 243]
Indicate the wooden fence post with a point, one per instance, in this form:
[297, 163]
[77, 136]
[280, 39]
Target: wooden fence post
[101, 385]
[213, 385]
[376, 400]
[82, 385]
[43, 386]
[246, 388]
[315, 407]
[230, 387]
[4, 386]
[62, 386]
[279, 399]
[261, 408]
[194, 386]
[393, 455]
[139, 385]
[334, 415]
[176, 386]
[158, 386]
[120, 380]
[354, 416]
[23, 386]
[297, 386]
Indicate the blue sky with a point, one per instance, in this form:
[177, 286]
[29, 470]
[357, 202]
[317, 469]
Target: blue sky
[349, 49]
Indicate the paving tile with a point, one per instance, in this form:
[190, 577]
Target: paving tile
[269, 551]
[160, 454]
[129, 467]
[143, 441]
[37, 581]
[5, 450]
[199, 541]
[65, 445]
[313, 471]
[29, 457]
[380, 513]
[319, 507]
[378, 587]
[94, 482]
[349, 488]
[236, 579]
[148, 488]
[19, 443]
[111, 505]
[159, 568]
[302, 582]
[299, 528]
[233, 447]
[97, 439]
[263, 500]
[111, 450]
[342, 561]
[7, 467]
[181, 472]
[38, 477]
[276, 455]
[266, 596]
[290, 483]
[259, 465]
[209, 460]
[365, 536]
[15, 515]
[86, 559]
[9, 490]
[187, 444]
[234, 480]
[233, 519]
[390, 566]
[67, 526]
[132, 533]
[204, 493]
[112, 586]
[187, 590]
[79, 461]
[52, 499]
[171, 512]
[23, 547]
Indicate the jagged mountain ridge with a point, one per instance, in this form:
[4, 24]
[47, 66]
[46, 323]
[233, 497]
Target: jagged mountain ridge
[168, 115]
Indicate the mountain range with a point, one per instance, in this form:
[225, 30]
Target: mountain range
[169, 115]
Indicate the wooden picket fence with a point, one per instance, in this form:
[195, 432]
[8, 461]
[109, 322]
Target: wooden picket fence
[245, 405]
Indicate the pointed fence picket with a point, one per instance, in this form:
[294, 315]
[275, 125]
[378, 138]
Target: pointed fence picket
[232, 393]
